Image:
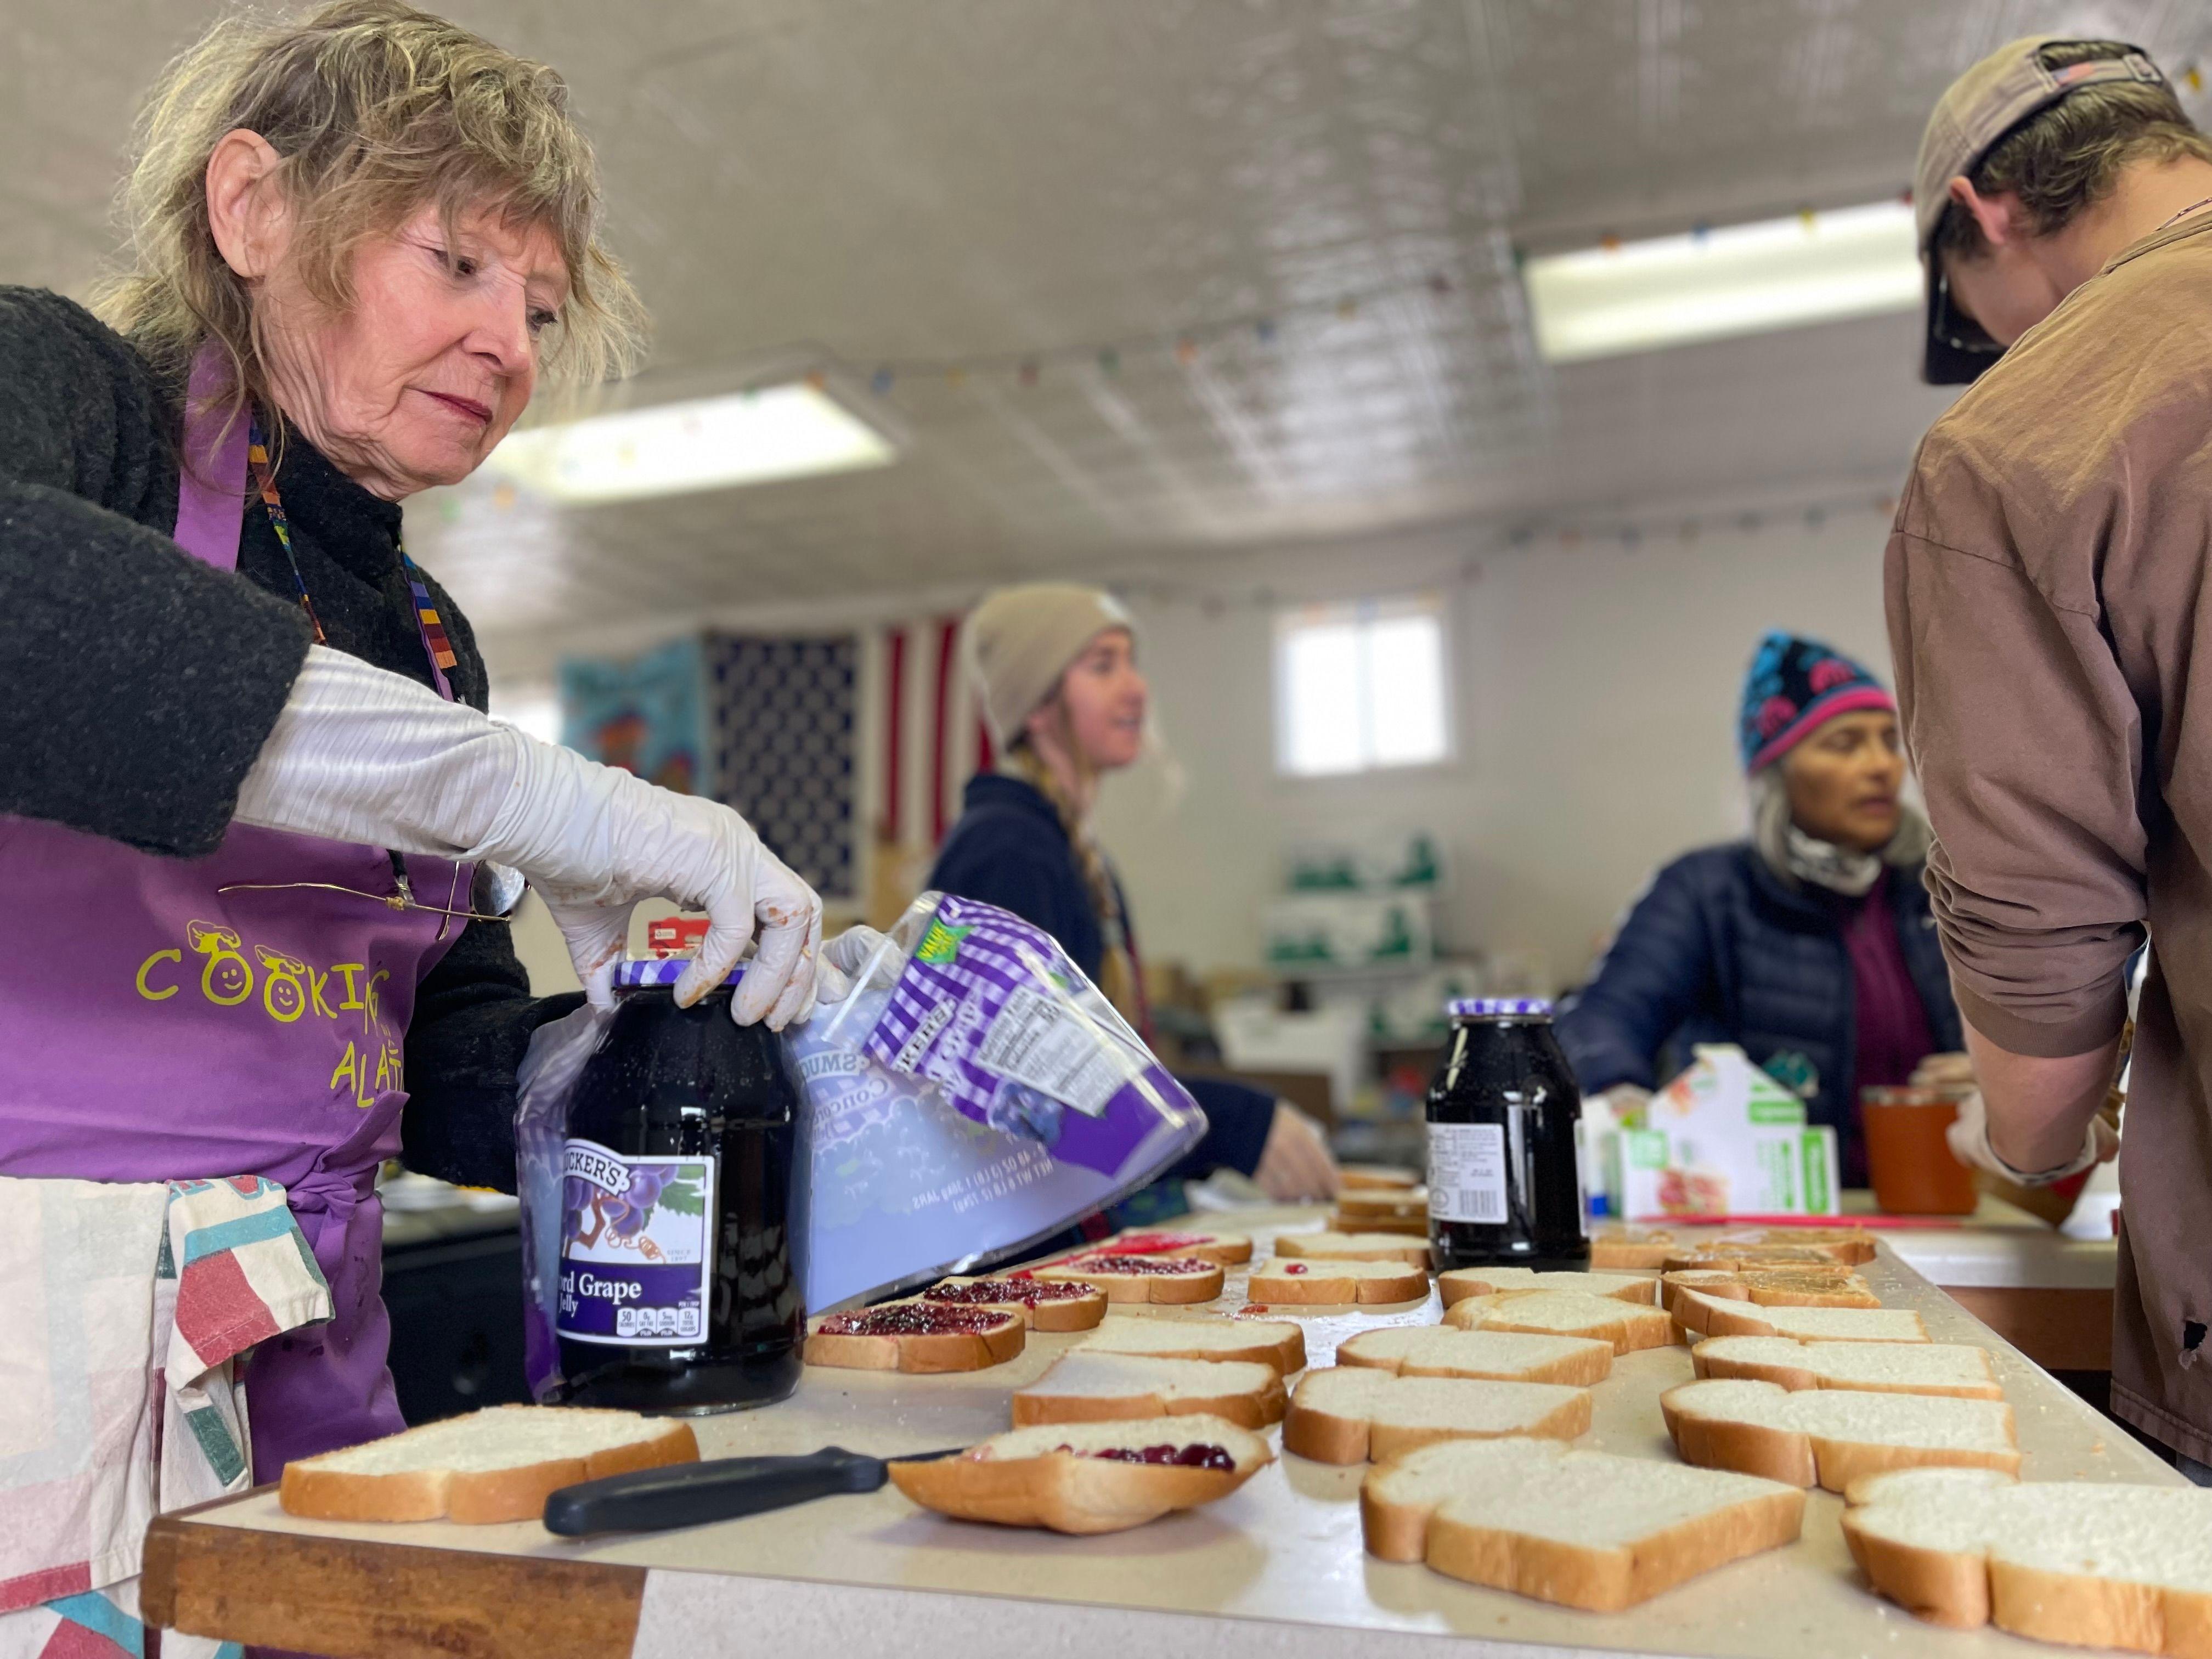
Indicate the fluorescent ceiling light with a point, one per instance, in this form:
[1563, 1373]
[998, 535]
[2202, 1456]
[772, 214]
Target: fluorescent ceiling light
[1741, 279]
[789, 431]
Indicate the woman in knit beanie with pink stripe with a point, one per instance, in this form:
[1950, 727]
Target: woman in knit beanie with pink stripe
[1810, 943]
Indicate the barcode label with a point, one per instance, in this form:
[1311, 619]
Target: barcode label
[1467, 1172]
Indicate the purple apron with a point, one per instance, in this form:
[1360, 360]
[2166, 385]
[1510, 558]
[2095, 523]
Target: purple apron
[154, 1026]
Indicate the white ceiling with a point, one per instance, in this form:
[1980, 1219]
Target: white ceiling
[977, 181]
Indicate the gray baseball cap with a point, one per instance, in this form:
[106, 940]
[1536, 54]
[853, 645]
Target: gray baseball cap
[1980, 107]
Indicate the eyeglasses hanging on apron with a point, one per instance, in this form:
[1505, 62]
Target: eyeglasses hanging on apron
[496, 889]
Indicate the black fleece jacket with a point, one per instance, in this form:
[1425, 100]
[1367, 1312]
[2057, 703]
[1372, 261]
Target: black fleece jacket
[137, 685]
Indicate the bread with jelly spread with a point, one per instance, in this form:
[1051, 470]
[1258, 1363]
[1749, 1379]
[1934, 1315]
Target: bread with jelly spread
[917, 1335]
[1167, 1279]
[1042, 1304]
[1089, 1477]
[1223, 1249]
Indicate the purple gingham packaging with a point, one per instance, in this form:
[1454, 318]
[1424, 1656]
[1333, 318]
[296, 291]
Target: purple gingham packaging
[990, 1010]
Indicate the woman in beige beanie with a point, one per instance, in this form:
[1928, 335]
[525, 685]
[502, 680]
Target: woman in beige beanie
[1055, 666]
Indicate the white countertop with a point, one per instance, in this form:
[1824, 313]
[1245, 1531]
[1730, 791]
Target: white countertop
[1277, 1569]
[2000, 1247]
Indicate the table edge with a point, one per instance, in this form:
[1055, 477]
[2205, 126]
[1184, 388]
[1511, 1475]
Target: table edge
[545, 1608]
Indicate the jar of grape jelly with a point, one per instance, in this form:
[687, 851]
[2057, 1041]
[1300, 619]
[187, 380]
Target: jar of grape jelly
[1504, 1127]
[681, 1281]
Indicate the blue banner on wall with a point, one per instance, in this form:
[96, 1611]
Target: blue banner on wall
[644, 714]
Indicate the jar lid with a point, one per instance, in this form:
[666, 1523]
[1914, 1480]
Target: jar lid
[1498, 1007]
[632, 971]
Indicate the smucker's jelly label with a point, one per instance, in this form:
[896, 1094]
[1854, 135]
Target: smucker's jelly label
[635, 1256]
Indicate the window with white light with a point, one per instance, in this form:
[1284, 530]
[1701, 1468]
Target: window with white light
[1359, 687]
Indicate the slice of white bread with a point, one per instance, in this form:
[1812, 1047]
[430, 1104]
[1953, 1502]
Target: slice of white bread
[918, 1336]
[1389, 1177]
[1852, 1246]
[494, 1465]
[1779, 1247]
[1405, 1227]
[1626, 1325]
[2104, 1566]
[1833, 1436]
[1773, 1287]
[1278, 1343]
[1645, 1248]
[1699, 1315]
[1223, 1249]
[1458, 1283]
[1581, 1528]
[1042, 1304]
[1334, 1283]
[1350, 1413]
[1732, 1257]
[1391, 1203]
[1064, 1476]
[1501, 1356]
[1355, 1247]
[1096, 1387]
[1165, 1278]
[1938, 1368]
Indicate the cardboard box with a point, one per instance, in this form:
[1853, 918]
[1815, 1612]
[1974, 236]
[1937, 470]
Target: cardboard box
[1721, 1138]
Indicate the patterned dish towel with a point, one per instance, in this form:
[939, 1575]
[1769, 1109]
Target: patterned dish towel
[120, 1392]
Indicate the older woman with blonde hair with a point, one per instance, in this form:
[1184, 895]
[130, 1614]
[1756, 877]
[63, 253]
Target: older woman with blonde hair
[255, 823]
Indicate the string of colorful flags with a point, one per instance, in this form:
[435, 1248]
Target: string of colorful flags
[1185, 347]
[1626, 535]
[1631, 533]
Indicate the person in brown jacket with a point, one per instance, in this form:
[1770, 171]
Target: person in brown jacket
[2047, 584]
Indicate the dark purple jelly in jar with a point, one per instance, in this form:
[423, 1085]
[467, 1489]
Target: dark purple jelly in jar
[681, 1281]
[1503, 1128]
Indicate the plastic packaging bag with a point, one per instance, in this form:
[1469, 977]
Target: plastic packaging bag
[976, 1096]
[972, 1098]
[551, 1066]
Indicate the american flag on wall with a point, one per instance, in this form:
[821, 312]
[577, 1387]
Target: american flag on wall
[925, 739]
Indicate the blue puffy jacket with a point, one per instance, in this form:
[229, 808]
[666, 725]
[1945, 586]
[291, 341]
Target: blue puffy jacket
[1719, 949]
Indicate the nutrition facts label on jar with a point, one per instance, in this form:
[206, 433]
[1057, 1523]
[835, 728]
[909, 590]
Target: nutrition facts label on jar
[1467, 1172]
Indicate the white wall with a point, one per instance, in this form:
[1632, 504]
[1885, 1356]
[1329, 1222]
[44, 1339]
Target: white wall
[1596, 694]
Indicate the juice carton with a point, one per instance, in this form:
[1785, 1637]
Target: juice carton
[1723, 1137]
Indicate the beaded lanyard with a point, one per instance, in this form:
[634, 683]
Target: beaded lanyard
[435, 645]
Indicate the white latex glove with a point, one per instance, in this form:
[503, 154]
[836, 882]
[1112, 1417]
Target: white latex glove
[1969, 1137]
[843, 960]
[1295, 1161]
[361, 755]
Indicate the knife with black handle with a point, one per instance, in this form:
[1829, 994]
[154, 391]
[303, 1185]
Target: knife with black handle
[692, 1494]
